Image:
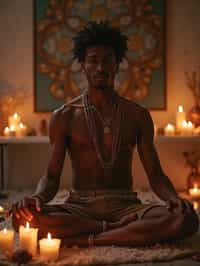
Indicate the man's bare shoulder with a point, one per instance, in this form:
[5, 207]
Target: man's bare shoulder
[66, 109]
[134, 108]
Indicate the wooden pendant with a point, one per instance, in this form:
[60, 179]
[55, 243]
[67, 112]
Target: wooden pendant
[106, 130]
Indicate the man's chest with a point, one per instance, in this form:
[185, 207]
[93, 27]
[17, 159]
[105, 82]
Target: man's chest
[82, 137]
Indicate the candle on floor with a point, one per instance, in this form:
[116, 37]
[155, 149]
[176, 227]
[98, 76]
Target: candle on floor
[6, 242]
[28, 238]
[180, 117]
[195, 191]
[49, 247]
[169, 130]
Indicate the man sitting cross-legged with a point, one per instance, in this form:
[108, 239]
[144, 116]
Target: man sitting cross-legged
[100, 130]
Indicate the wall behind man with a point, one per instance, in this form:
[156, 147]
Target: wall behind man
[16, 53]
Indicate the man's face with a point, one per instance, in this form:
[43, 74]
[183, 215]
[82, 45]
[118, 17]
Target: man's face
[100, 66]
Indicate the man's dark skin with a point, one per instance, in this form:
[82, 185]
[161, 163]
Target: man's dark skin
[69, 131]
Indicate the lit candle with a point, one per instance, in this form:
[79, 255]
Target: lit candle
[6, 242]
[180, 117]
[190, 128]
[6, 132]
[195, 191]
[12, 130]
[196, 205]
[187, 128]
[21, 130]
[1, 209]
[14, 120]
[49, 247]
[169, 130]
[28, 238]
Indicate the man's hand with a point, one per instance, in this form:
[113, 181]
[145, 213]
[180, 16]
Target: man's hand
[23, 208]
[179, 204]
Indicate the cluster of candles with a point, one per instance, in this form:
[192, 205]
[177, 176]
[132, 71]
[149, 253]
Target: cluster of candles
[49, 247]
[15, 127]
[183, 127]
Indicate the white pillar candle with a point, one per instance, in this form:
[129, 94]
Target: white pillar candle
[195, 191]
[6, 242]
[190, 128]
[28, 238]
[49, 247]
[169, 130]
[14, 120]
[180, 117]
[6, 132]
[21, 130]
[196, 205]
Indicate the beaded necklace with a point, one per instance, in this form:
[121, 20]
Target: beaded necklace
[116, 138]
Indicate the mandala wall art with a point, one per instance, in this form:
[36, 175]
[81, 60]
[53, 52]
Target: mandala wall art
[58, 77]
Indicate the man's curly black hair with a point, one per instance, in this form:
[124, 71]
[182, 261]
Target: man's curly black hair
[100, 33]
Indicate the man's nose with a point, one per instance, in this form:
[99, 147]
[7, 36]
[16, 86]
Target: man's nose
[100, 66]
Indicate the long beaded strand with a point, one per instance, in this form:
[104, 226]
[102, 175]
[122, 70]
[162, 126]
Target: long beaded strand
[116, 139]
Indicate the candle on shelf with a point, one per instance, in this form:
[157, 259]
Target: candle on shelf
[14, 120]
[180, 117]
[28, 238]
[195, 191]
[169, 130]
[190, 128]
[187, 128]
[196, 205]
[49, 247]
[21, 130]
[6, 242]
[12, 130]
[6, 132]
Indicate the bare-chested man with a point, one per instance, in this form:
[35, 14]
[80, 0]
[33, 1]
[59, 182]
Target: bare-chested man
[100, 130]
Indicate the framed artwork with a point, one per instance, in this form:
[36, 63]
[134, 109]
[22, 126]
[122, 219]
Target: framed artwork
[58, 77]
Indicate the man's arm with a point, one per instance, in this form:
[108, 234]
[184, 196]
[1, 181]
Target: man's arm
[48, 185]
[159, 182]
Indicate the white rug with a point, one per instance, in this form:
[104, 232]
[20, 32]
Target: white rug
[119, 255]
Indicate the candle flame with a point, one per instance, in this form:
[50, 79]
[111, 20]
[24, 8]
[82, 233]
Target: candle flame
[5, 230]
[12, 128]
[184, 123]
[195, 186]
[170, 126]
[7, 130]
[21, 125]
[49, 236]
[27, 225]
[1, 209]
[15, 116]
[180, 108]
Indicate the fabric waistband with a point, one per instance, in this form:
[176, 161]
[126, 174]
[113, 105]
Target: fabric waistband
[96, 193]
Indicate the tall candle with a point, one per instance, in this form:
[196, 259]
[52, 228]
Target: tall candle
[28, 238]
[180, 117]
[169, 130]
[49, 247]
[14, 120]
[6, 242]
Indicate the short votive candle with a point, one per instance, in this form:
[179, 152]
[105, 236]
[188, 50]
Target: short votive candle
[49, 247]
